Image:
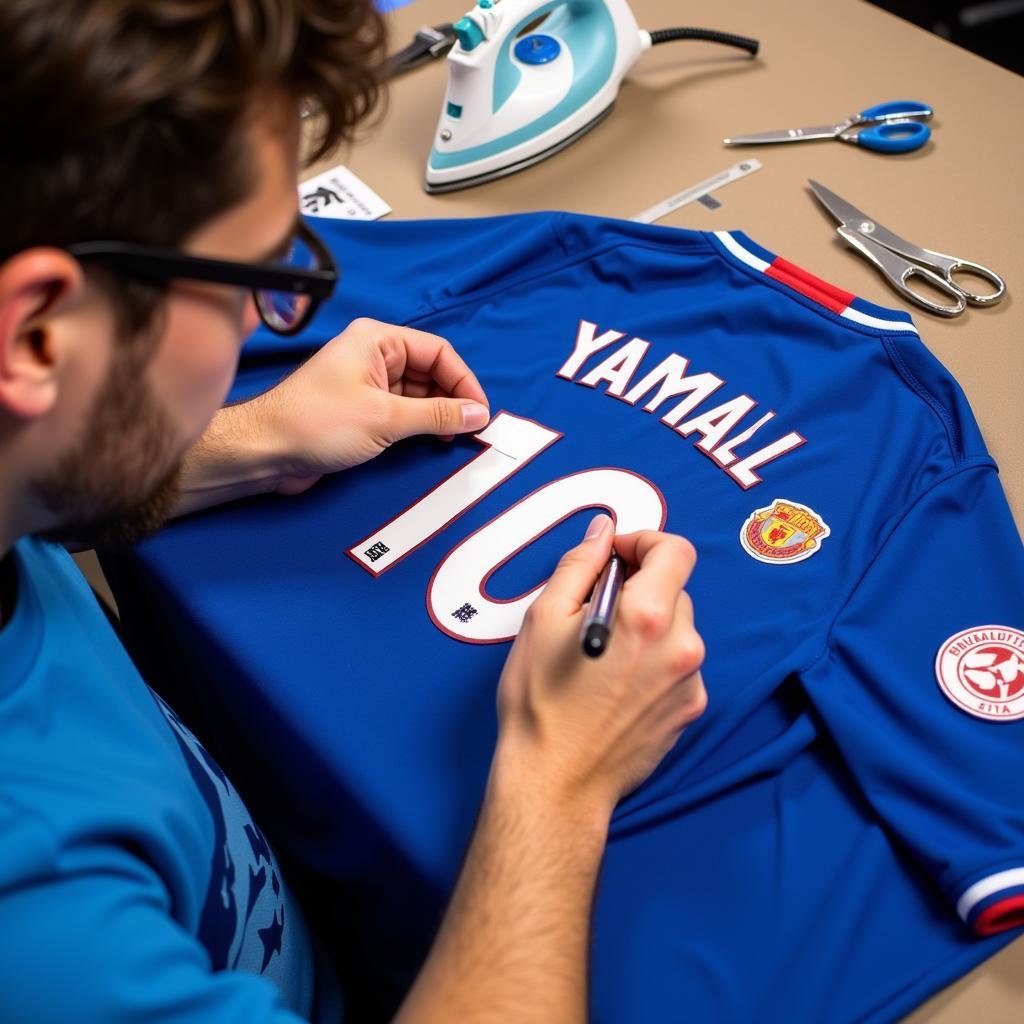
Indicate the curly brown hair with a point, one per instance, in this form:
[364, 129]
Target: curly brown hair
[126, 118]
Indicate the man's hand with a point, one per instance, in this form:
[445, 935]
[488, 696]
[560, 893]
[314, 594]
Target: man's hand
[576, 734]
[374, 384]
[592, 729]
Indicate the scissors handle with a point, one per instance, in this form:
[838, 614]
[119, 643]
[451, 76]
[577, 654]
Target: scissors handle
[893, 110]
[942, 283]
[899, 271]
[891, 136]
[949, 265]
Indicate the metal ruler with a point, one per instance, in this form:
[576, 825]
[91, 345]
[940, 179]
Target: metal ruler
[734, 173]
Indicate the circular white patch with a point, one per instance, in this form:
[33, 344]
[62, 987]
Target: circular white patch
[981, 670]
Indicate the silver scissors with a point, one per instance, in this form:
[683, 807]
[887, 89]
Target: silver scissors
[899, 260]
[896, 127]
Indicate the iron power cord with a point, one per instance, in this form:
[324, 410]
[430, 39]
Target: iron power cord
[671, 35]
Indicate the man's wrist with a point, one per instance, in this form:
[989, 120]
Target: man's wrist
[239, 455]
[519, 779]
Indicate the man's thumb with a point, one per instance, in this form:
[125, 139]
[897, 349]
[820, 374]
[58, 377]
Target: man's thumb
[440, 416]
[573, 580]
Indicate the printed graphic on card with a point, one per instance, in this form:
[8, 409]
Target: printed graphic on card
[340, 194]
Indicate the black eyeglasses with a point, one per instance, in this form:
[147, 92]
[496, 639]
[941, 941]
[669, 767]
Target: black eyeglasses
[287, 294]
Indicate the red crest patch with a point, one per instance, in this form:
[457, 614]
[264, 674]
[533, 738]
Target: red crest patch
[981, 670]
[783, 531]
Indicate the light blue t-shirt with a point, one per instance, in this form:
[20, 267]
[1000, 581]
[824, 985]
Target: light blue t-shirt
[134, 886]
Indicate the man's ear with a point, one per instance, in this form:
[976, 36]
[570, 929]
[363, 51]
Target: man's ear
[34, 285]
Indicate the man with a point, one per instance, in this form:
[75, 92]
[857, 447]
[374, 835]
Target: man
[150, 160]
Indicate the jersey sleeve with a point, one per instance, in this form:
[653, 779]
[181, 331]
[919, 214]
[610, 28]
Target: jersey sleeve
[101, 948]
[921, 687]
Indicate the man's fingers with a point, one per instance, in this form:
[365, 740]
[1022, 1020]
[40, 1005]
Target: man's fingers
[665, 562]
[572, 582]
[440, 416]
[428, 357]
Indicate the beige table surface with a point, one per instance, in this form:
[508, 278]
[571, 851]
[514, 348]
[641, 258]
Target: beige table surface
[818, 61]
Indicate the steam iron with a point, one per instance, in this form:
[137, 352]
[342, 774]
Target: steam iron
[527, 78]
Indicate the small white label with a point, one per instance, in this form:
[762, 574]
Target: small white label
[338, 193]
[662, 209]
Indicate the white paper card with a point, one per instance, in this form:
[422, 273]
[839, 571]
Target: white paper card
[340, 194]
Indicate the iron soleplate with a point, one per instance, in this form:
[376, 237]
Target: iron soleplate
[519, 165]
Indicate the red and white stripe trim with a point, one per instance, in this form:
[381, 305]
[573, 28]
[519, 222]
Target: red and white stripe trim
[1001, 915]
[825, 294]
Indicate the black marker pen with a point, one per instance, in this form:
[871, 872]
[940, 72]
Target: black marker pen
[597, 625]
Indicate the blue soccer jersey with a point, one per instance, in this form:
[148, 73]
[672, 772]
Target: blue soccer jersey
[842, 833]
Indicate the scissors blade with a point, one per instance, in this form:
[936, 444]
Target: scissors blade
[844, 212]
[824, 131]
[859, 221]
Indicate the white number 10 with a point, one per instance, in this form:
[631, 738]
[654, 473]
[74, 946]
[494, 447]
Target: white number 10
[457, 597]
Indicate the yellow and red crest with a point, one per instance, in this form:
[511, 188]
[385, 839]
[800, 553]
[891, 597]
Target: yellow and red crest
[784, 531]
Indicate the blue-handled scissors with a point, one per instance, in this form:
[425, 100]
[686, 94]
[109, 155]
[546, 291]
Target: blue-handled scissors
[895, 127]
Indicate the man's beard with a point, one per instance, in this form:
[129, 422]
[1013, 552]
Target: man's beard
[120, 481]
